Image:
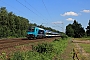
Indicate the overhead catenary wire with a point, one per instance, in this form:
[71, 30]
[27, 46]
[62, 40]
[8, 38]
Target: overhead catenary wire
[15, 8]
[46, 8]
[29, 9]
[60, 26]
[35, 9]
[10, 5]
[38, 12]
[47, 11]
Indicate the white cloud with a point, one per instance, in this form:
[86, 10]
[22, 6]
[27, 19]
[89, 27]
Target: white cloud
[69, 14]
[86, 11]
[70, 19]
[58, 22]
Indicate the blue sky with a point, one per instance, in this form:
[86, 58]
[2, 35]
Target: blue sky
[50, 13]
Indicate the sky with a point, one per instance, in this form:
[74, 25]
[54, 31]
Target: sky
[56, 14]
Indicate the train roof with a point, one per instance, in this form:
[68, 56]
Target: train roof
[40, 28]
[37, 27]
[48, 31]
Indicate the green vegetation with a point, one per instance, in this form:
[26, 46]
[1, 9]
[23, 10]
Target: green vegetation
[88, 29]
[82, 48]
[75, 30]
[3, 56]
[43, 48]
[12, 25]
[43, 51]
[86, 47]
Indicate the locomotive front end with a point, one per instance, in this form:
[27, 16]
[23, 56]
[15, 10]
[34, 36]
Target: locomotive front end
[31, 33]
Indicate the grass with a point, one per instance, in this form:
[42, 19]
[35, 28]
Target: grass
[86, 47]
[58, 47]
[68, 52]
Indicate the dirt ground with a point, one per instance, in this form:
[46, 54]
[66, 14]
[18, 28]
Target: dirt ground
[74, 51]
[80, 51]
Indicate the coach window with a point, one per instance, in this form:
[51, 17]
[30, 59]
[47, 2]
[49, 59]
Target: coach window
[40, 32]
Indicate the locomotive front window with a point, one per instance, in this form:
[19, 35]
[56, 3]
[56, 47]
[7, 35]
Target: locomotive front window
[31, 29]
[48, 33]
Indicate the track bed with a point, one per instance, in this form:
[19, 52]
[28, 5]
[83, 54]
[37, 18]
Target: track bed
[8, 45]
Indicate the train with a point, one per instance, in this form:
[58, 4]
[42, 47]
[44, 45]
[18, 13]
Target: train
[36, 32]
[49, 33]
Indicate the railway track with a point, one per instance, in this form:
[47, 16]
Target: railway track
[9, 43]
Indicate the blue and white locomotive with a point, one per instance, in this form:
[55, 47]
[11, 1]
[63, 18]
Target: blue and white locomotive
[36, 32]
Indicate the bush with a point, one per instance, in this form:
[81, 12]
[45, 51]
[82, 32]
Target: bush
[56, 40]
[64, 36]
[17, 56]
[43, 48]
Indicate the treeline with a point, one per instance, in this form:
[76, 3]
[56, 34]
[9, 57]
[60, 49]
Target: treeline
[76, 30]
[14, 26]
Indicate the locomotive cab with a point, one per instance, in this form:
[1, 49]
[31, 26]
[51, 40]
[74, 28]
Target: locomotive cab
[35, 32]
[31, 33]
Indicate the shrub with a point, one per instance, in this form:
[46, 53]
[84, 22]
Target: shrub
[43, 48]
[64, 36]
[17, 56]
[56, 40]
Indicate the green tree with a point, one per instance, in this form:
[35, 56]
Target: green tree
[75, 30]
[69, 30]
[78, 29]
[88, 29]
[3, 21]
[12, 25]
